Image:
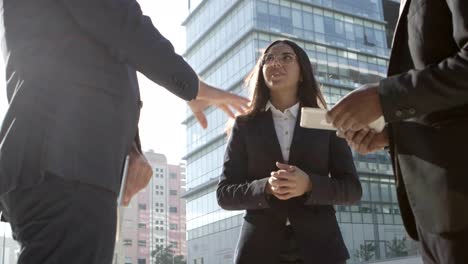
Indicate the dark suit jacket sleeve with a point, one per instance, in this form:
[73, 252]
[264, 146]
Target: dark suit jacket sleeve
[235, 191]
[131, 36]
[343, 186]
[437, 87]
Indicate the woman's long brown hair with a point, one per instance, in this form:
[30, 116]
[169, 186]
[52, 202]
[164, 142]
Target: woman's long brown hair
[309, 93]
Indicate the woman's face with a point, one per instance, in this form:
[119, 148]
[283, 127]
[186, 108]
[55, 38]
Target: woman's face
[281, 70]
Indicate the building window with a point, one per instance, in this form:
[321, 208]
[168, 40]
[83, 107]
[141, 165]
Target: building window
[173, 192]
[173, 175]
[173, 226]
[141, 261]
[198, 261]
[127, 242]
[174, 244]
[128, 260]
[172, 209]
[142, 206]
[142, 243]
[141, 225]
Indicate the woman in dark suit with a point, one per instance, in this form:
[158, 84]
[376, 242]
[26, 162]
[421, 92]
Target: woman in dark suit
[287, 178]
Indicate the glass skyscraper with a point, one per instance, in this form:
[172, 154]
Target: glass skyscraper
[346, 41]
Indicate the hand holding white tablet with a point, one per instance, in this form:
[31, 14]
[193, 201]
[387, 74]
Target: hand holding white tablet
[315, 118]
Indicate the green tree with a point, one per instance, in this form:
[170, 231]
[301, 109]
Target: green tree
[365, 252]
[165, 255]
[397, 248]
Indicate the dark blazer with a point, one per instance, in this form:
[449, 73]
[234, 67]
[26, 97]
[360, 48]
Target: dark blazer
[251, 154]
[72, 87]
[426, 101]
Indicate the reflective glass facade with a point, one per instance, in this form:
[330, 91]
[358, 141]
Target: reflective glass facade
[347, 46]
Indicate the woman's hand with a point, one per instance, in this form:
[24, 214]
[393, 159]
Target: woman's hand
[288, 182]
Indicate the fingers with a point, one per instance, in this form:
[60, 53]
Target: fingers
[239, 103]
[219, 96]
[282, 175]
[284, 189]
[347, 122]
[381, 140]
[357, 126]
[239, 109]
[366, 141]
[285, 196]
[360, 140]
[349, 135]
[201, 118]
[286, 167]
[363, 147]
[283, 183]
[280, 191]
[356, 137]
[239, 99]
[277, 183]
[343, 122]
[375, 146]
[227, 110]
[355, 110]
[332, 114]
[341, 133]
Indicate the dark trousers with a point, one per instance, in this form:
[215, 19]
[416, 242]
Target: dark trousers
[59, 221]
[443, 249]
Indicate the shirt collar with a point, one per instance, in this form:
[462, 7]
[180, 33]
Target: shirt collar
[293, 110]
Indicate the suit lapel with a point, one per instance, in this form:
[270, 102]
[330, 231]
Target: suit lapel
[269, 137]
[403, 10]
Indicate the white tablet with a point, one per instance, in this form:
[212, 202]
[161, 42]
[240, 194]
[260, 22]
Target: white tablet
[316, 118]
[120, 207]
[124, 181]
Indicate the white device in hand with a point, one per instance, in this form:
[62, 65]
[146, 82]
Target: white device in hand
[124, 181]
[316, 118]
[120, 207]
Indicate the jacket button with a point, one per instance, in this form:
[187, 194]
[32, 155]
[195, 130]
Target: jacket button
[412, 111]
[398, 113]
